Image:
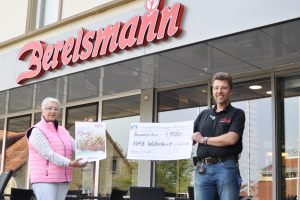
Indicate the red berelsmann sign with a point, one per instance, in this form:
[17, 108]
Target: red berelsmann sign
[157, 24]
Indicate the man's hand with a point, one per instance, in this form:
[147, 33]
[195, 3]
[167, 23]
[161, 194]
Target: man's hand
[197, 137]
[223, 140]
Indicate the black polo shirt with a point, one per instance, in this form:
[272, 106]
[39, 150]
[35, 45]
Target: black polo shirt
[211, 123]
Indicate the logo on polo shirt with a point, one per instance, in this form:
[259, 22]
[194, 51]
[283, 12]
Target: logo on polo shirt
[225, 120]
[212, 117]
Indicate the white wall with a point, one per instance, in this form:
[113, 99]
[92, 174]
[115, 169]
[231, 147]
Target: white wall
[13, 14]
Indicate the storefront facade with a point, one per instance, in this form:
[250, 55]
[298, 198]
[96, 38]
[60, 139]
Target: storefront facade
[156, 67]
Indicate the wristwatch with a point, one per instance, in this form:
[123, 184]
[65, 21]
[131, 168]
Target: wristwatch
[205, 139]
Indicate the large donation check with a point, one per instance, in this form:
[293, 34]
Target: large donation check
[90, 141]
[160, 141]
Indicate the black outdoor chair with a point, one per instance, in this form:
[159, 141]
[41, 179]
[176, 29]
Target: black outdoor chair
[146, 193]
[4, 178]
[191, 192]
[170, 194]
[117, 194]
[78, 195]
[73, 194]
[292, 197]
[21, 194]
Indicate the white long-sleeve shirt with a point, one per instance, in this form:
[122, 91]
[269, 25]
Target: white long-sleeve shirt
[40, 143]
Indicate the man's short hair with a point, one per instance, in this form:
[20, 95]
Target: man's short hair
[222, 76]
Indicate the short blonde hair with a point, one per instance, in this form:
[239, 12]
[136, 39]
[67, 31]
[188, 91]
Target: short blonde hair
[49, 99]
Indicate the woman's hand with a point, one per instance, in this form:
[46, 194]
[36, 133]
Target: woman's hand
[78, 163]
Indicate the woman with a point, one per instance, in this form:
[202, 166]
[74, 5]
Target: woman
[50, 152]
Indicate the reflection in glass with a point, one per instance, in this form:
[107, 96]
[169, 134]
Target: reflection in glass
[256, 160]
[122, 77]
[16, 152]
[177, 179]
[51, 88]
[82, 179]
[174, 106]
[182, 98]
[1, 136]
[20, 99]
[116, 171]
[291, 147]
[2, 102]
[121, 107]
[83, 85]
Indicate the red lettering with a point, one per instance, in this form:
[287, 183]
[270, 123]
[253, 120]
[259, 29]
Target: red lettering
[58, 47]
[107, 40]
[161, 4]
[66, 54]
[35, 61]
[78, 48]
[148, 28]
[128, 35]
[157, 24]
[87, 44]
[47, 58]
[171, 19]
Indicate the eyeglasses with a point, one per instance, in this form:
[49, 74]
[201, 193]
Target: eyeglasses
[52, 109]
[221, 88]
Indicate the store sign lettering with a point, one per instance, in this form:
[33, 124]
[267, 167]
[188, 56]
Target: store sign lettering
[157, 24]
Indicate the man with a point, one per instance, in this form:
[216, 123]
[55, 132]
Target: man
[219, 133]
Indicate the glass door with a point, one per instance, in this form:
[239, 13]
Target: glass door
[290, 148]
[174, 106]
[116, 172]
[254, 97]
[83, 179]
[16, 150]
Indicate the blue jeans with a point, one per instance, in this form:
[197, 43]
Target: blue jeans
[221, 181]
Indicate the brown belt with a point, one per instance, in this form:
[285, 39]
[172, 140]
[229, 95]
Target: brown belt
[214, 160]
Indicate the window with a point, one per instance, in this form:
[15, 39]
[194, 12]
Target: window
[182, 98]
[15, 155]
[175, 106]
[114, 165]
[255, 163]
[2, 132]
[83, 85]
[82, 178]
[2, 102]
[256, 157]
[47, 12]
[20, 99]
[290, 149]
[116, 171]
[50, 88]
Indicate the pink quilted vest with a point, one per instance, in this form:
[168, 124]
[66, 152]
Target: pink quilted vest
[43, 171]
